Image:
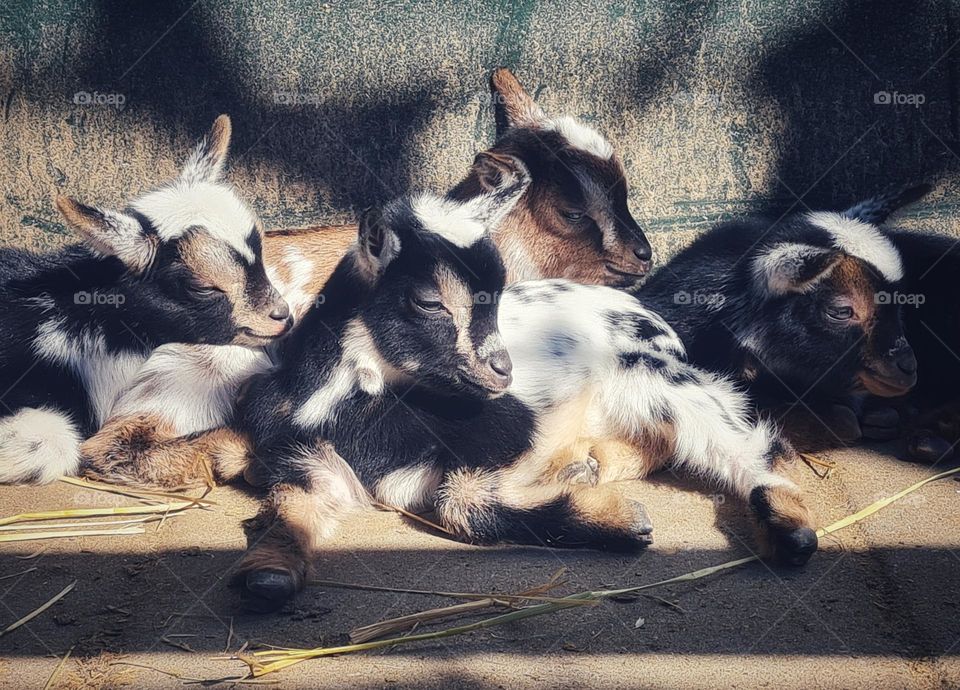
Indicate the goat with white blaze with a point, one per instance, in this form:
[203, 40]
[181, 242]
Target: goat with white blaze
[181, 264]
[399, 385]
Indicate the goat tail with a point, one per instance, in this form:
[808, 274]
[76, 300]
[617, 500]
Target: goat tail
[38, 446]
[877, 209]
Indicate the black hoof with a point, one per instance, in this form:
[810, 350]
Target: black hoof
[928, 448]
[885, 417]
[265, 591]
[844, 423]
[795, 548]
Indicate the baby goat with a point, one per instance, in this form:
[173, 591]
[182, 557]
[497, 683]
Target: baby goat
[181, 264]
[572, 222]
[796, 310]
[398, 384]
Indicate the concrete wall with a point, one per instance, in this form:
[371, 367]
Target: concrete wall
[717, 108]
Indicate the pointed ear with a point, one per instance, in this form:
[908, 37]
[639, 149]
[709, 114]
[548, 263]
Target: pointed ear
[378, 244]
[793, 267]
[503, 179]
[110, 233]
[512, 105]
[206, 161]
[497, 171]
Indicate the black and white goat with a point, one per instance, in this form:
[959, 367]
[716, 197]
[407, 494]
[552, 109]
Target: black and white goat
[398, 385]
[572, 222]
[800, 309]
[182, 263]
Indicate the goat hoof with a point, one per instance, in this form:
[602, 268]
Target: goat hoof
[929, 448]
[881, 417]
[266, 591]
[844, 423]
[585, 472]
[642, 526]
[795, 548]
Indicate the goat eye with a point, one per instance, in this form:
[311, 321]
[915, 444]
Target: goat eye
[572, 216]
[428, 306]
[840, 313]
[205, 290]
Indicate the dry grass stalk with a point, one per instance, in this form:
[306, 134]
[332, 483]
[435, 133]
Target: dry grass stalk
[66, 534]
[56, 671]
[413, 516]
[412, 621]
[142, 494]
[37, 611]
[272, 660]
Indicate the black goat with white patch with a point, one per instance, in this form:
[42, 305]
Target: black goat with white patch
[181, 264]
[796, 309]
[396, 386]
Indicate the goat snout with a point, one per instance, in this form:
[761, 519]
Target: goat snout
[501, 369]
[907, 362]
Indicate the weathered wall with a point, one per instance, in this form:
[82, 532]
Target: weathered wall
[717, 108]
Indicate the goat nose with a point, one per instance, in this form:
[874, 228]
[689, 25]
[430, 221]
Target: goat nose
[281, 312]
[907, 363]
[501, 364]
[643, 252]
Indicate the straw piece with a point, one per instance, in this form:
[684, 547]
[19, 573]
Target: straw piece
[65, 534]
[142, 494]
[94, 512]
[414, 517]
[270, 661]
[56, 671]
[22, 572]
[131, 521]
[37, 611]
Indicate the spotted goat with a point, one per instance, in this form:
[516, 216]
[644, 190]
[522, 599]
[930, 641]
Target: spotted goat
[398, 387]
[181, 263]
[795, 310]
[572, 222]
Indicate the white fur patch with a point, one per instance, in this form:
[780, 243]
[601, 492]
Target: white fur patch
[38, 444]
[777, 270]
[194, 387]
[581, 136]
[360, 368]
[410, 488]
[176, 207]
[454, 221]
[862, 240]
[293, 280]
[104, 375]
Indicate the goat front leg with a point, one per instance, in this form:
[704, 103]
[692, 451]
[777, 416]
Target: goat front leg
[143, 450]
[490, 507]
[294, 521]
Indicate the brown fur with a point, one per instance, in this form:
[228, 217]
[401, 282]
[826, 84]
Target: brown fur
[144, 450]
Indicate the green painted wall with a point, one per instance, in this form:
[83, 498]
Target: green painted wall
[716, 108]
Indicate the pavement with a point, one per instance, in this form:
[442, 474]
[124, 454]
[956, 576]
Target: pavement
[877, 607]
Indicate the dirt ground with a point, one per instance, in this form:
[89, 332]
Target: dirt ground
[877, 607]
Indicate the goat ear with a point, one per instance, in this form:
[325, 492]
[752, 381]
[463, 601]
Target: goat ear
[378, 243]
[206, 162]
[512, 105]
[794, 267]
[110, 233]
[503, 179]
[497, 171]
